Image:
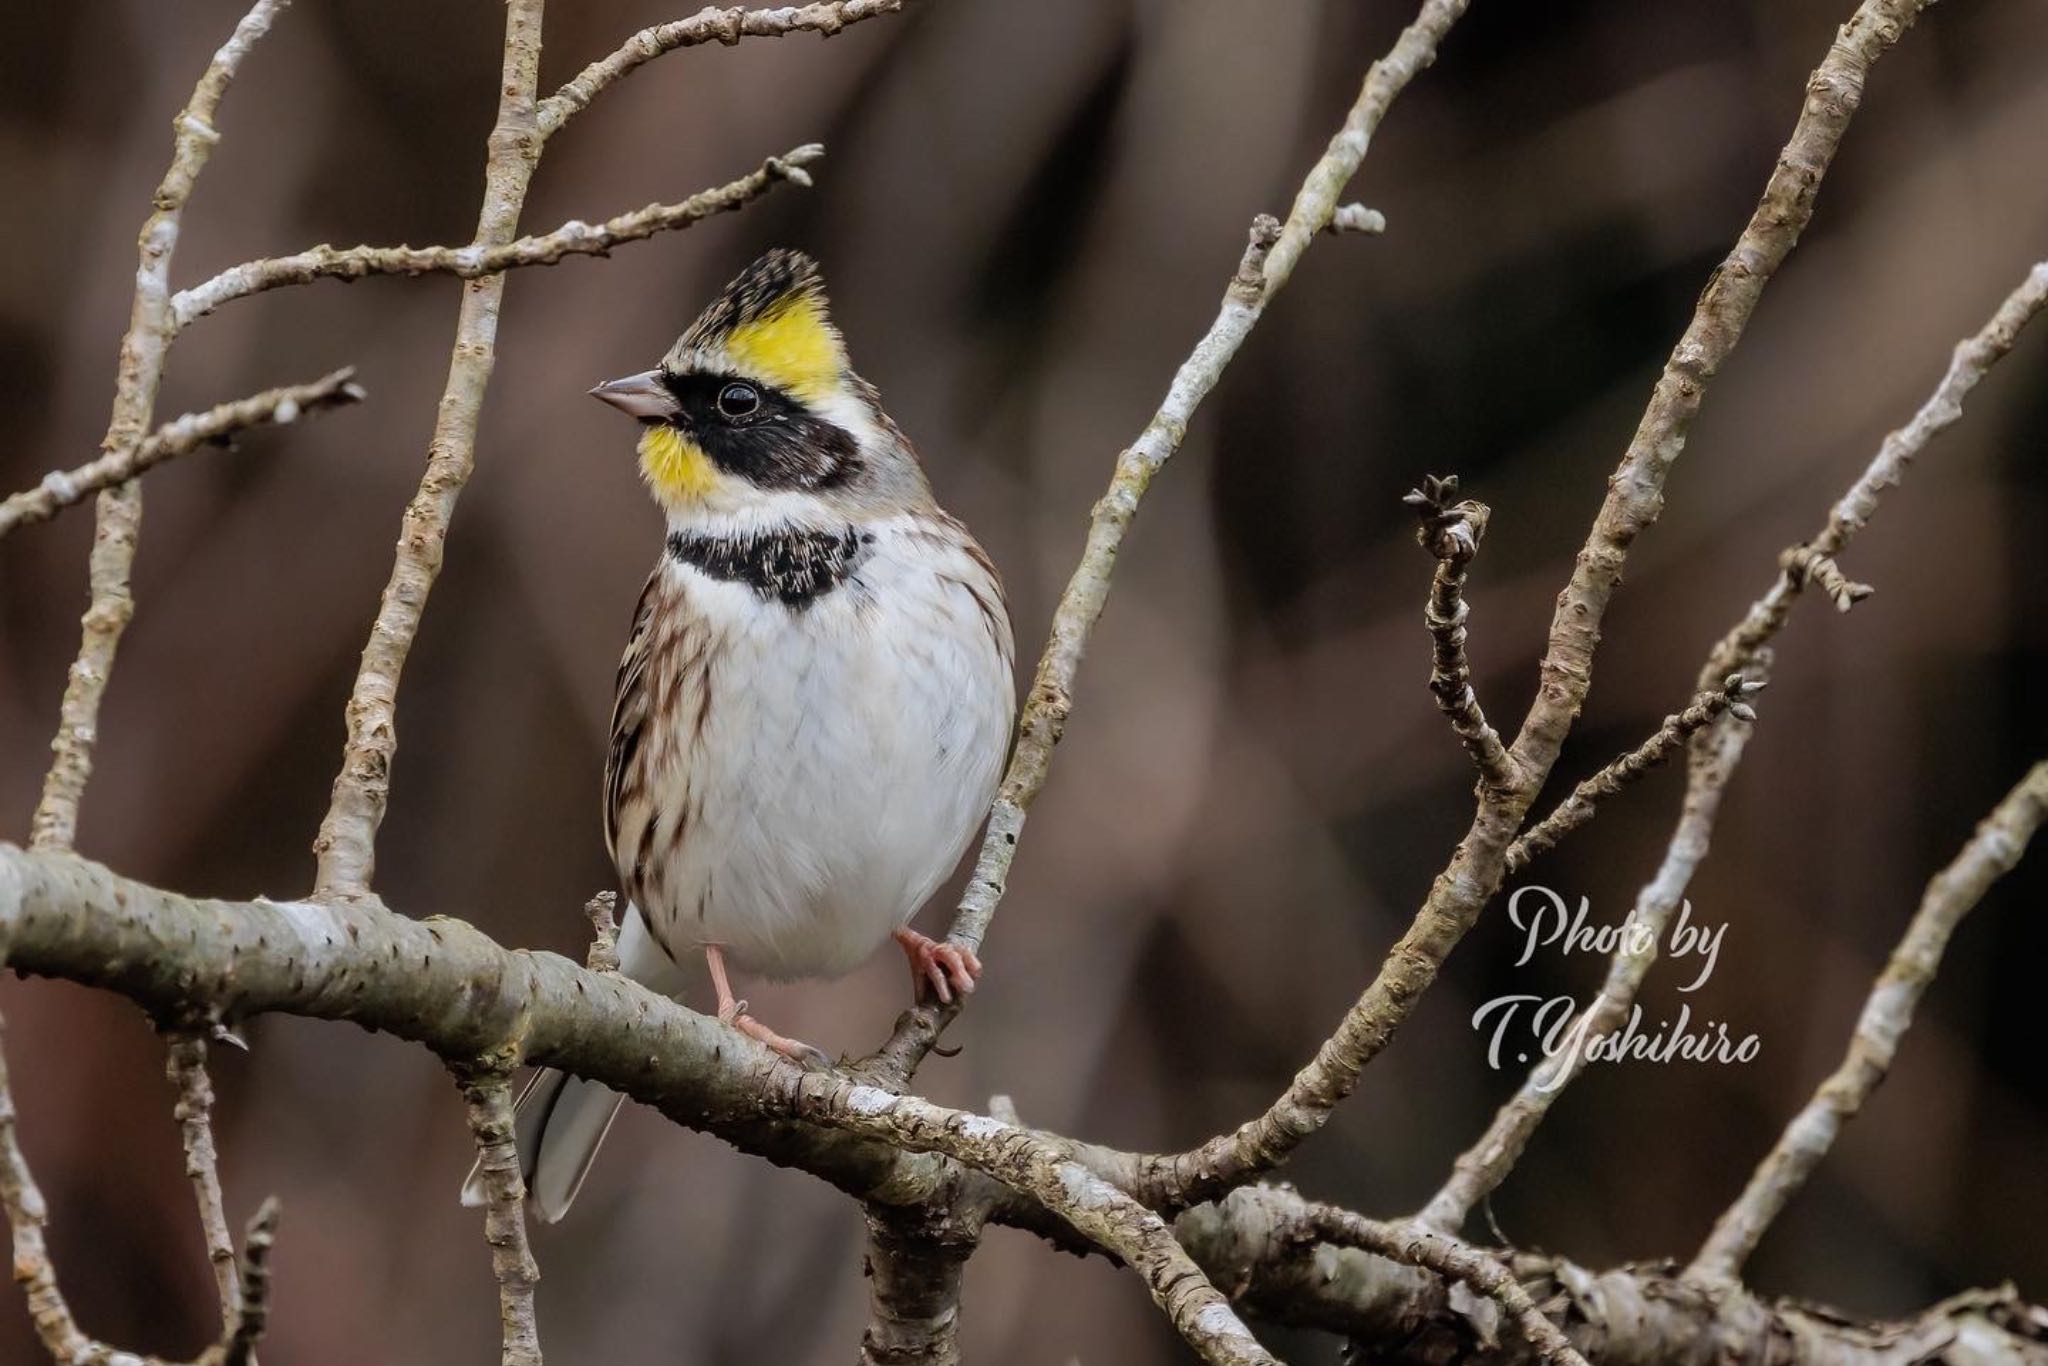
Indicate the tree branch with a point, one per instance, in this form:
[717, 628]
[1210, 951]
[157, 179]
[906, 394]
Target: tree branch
[1482, 1167]
[487, 1100]
[1730, 698]
[1972, 358]
[118, 514]
[1635, 495]
[727, 26]
[346, 844]
[1267, 265]
[185, 1067]
[1992, 852]
[573, 238]
[1630, 1316]
[27, 1216]
[252, 1315]
[60, 489]
[1451, 534]
[1448, 1257]
[1487, 1163]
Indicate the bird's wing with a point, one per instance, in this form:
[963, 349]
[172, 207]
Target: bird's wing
[630, 709]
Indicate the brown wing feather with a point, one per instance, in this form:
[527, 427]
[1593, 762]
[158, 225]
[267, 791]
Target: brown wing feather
[630, 711]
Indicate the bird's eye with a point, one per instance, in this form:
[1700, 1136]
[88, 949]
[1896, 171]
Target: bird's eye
[738, 400]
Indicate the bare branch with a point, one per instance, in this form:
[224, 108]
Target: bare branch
[1972, 359]
[1631, 1316]
[727, 25]
[1451, 533]
[1993, 851]
[1482, 1167]
[118, 516]
[915, 1262]
[602, 910]
[185, 1066]
[60, 489]
[1635, 495]
[1577, 809]
[26, 1217]
[487, 1099]
[1487, 1163]
[473, 262]
[1267, 264]
[346, 844]
[238, 1348]
[1447, 1256]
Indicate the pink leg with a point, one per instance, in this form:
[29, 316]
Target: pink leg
[941, 965]
[734, 1013]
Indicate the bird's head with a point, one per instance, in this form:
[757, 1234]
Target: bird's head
[755, 415]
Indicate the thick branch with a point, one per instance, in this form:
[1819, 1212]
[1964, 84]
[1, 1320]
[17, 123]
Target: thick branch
[60, 489]
[727, 25]
[118, 517]
[346, 845]
[1265, 268]
[1579, 808]
[446, 985]
[487, 1099]
[1635, 495]
[1991, 853]
[915, 1262]
[472, 262]
[1485, 1273]
[1630, 1316]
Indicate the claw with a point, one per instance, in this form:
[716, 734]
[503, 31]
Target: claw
[941, 965]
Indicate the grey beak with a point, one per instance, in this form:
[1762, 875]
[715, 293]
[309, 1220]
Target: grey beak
[643, 396]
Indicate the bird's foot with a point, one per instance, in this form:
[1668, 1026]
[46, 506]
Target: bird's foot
[939, 965]
[735, 1014]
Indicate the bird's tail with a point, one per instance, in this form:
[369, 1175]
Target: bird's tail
[561, 1122]
[562, 1119]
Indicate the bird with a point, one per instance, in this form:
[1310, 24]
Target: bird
[816, 695]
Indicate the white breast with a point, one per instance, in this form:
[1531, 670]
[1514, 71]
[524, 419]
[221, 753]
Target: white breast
[849, 754]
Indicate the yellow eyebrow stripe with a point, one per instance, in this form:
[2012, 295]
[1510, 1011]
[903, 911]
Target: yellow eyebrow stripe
[794, 347]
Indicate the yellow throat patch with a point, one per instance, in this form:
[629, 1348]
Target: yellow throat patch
[675, 466]
[794, 347]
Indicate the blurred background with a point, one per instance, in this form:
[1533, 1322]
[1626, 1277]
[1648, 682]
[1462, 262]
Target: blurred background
[1027, 215]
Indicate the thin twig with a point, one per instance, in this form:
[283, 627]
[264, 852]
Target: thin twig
[1992, 852]
[185, 1067]
[119, 510]
[718, 25]
[1265, 268]
[1634, 498]
[487, 1098]
[1730, 698]
[346, 844]
[245, 1330]
[27, 1216]
[1446, 1256]
[472, 262]
[1451, 533]
[60, 489]
[1972, 358]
